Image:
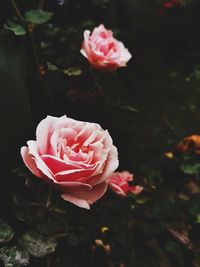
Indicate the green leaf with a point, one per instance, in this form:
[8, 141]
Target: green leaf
[142, 200]
[6, 232]
[74, 71]
[190, 168]
[198, 218]
[194, 205]
[37, 245]
[16, 28]
[38, 16]
[51, 67]
[196, 72]
[14, 257]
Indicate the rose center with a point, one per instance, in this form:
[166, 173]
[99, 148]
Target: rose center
[74, 151]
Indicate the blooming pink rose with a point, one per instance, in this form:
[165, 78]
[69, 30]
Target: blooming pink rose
[77, 157]
[118, 182]
[103, 51]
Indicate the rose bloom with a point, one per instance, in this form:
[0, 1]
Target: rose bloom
[76, 157]
[103, 51]
[118, 182]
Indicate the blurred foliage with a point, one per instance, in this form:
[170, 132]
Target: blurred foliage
[6, 232]
[148, 107]
[160, 227]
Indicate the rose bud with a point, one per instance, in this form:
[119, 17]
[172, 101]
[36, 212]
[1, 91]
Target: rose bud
[118, 183]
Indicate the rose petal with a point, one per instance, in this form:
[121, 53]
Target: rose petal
[96, 193]
[43, 132]
[58, 165]
[136, 189]
[76, 201]
[73, 176]
[81, 198]
[111, 165]
[66, 171]
[116, 189]
[72, 187]
[33, 150]
[30, 161]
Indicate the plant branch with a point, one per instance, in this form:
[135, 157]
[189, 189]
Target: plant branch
[41, 4]
[18, 12]
[181, 239]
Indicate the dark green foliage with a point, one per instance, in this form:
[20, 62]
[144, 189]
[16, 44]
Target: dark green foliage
[16, 28]
[37, 245]
[38, 16]
[6, 232]
[14, 257]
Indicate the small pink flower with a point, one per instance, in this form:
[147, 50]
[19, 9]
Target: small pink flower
[74, 156]
[118, 182]
[103, 51]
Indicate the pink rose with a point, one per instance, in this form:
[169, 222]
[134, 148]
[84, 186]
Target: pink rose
[103, 51]
[75, 156]
[118, 182]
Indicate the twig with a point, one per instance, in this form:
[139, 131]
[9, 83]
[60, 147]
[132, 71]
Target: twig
[61, 235]
[181, 239]
[19, 14]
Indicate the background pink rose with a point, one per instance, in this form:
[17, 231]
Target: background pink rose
[103, 51]
[77, 157]
[118, 182]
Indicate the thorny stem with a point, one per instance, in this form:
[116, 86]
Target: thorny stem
[17, 10]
